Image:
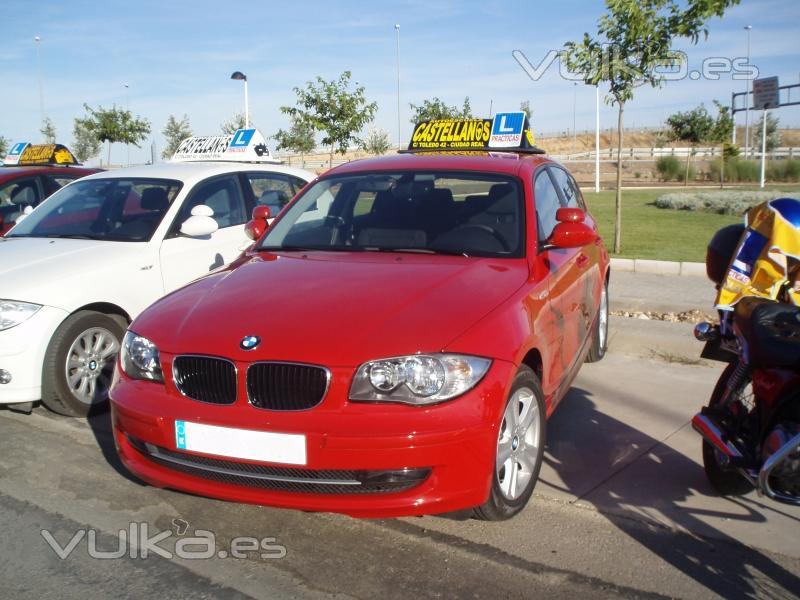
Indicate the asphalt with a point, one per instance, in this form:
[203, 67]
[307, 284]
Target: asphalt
[622, 508]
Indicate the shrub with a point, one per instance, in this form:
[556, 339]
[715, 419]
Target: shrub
[724, 203]
[667, 167]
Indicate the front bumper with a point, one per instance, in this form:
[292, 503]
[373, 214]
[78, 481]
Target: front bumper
[449, 448]
[22, 350]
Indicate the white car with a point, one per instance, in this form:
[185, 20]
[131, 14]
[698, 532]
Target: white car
[76, 270]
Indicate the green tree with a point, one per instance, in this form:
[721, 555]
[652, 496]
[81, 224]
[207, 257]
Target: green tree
[691, 127]
[48, 131]
[298, 138]
[376, 142]
[525, 107]
[235, 123]
[114, 125]
[334, 109]
[175, 132]
[720, 133]
[3, 145]
[633, 39]
[85, 144]
[437, 109]
[773, 135]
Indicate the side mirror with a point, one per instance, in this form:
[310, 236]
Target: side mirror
[570, 234]
[25, 212]
[201, 223]
[258, 224]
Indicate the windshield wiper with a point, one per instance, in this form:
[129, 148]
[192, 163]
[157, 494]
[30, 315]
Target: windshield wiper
[71, 236]
[416, 250]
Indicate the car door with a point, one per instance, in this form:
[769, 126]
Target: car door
[269, 189]
[185, 258]
[564, 280]
[586, 258]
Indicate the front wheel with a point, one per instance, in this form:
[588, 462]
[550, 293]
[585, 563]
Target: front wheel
[600, 332]
[520, 448]
[79, 363]
[727, 481]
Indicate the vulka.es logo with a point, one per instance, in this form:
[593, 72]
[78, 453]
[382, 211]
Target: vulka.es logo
[610, 60]
[138, 542]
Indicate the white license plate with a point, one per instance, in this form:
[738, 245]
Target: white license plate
[287, 448]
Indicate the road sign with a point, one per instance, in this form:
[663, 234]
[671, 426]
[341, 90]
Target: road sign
[766, 93]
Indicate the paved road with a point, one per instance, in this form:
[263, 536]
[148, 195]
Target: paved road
[623, 510]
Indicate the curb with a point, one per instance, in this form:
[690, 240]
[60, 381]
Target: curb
[659, 267]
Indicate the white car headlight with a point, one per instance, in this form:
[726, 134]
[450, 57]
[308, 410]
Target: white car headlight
[12, 313]
[139, 358]
[419, 379]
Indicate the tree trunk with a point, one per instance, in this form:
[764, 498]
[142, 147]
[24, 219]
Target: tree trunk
[108, 162]
[330, 160]
[722, 169]
[686, 175]
[618, 202]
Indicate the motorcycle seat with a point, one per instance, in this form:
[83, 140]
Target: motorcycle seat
[772, 331]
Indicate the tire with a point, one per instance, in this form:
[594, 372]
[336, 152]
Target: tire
[600, 331]
[526, 449]
[90, 342]
[727, 482]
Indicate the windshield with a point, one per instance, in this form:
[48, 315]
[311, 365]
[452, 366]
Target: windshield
[430, 212]
[115, 209]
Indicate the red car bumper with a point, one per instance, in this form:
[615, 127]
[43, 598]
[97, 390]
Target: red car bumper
[449, 448]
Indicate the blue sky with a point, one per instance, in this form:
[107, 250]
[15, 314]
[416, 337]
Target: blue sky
[177, 57]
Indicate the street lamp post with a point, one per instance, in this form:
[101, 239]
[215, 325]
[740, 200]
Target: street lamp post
[239, 76]
[399, 135]
[38, 40]
[747, 28]
[128, 108]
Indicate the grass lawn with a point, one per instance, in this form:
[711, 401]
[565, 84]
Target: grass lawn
[657, 233]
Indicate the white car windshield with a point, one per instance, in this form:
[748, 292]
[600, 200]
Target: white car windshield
[473, 214]
[114, 209]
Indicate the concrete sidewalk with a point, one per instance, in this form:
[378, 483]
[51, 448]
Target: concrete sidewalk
[631, 291]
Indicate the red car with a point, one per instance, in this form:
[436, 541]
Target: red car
[29, 180]
[392, 345]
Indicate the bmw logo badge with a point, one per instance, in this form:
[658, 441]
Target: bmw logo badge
[249, 342]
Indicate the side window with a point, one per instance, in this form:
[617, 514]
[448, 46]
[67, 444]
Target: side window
[547, 203]
[297, 183]
[56, 182]
[16, 195]
[568, 188]
[271, 189]
[222, 195]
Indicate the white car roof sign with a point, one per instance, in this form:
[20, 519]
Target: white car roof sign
[243, 145]
[12, 158]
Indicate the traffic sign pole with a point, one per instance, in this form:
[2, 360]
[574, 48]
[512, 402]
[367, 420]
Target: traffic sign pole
[763, 146]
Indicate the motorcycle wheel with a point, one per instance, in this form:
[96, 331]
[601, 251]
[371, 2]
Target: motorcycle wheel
[726, 481]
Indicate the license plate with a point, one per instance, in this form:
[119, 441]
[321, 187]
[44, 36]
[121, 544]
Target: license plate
[287, 448]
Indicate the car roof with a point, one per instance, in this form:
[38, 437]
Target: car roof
[499, 163]
[192, 172]
[9, 172]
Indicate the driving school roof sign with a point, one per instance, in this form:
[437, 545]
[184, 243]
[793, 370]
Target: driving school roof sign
[25, 154]
[244, 145]
[506, 131]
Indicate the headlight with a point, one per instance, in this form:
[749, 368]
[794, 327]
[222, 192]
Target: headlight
[139, 358]
[13, 313]
[420, 379]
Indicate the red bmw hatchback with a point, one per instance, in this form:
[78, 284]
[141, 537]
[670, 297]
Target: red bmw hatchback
[392, 345]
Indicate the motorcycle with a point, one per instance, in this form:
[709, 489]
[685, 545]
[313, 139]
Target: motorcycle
[751, 425]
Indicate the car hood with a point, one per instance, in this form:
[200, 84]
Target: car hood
[334, 309]
[46, 270]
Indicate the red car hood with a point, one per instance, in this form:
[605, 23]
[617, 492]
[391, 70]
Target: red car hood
[334, 309]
